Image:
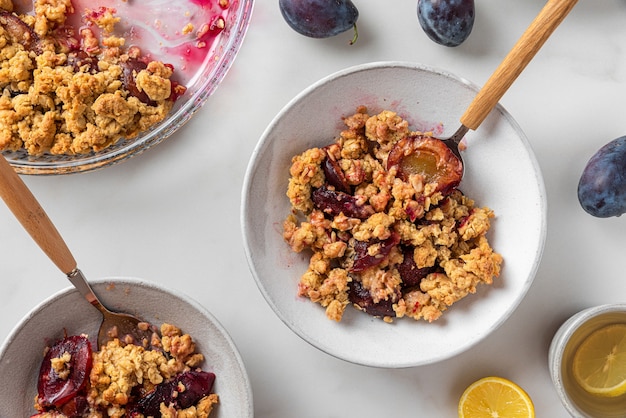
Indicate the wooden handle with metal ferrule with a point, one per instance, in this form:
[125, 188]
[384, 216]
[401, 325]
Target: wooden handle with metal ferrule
[514, 63]
[33, 218]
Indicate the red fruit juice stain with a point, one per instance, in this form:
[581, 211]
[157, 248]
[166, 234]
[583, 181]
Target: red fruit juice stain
[195, 51]
[183, 33]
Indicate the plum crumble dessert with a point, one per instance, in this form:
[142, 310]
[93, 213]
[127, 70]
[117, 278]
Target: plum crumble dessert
[125, 380]
[75, 89]
[388, 228]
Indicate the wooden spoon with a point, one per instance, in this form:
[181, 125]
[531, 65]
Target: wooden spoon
[510, 68]
[33, 218]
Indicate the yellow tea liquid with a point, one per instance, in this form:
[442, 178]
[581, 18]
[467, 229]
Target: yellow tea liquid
[594, 405]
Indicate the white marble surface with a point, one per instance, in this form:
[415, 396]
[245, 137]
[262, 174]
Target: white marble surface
[172, 214]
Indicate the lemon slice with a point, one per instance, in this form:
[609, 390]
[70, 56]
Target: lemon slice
[495, 397]
[599, 364]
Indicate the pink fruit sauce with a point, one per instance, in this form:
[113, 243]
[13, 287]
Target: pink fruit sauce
[182, 33]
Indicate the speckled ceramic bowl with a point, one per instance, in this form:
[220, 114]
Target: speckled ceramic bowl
[564, 344]
[201, 78]
[21, 354]
[496, 153]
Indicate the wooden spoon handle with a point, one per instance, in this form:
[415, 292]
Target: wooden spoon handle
[514, 63]
[33, 218]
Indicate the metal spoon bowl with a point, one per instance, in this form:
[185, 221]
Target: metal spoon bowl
[33, 218]
[509, 69]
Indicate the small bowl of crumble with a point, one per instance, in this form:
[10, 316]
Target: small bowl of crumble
[50, 365]
[364, 235]
[86, 86]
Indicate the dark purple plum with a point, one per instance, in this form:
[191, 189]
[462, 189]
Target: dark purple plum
[447, 22]
[602, 185]
[320, 18]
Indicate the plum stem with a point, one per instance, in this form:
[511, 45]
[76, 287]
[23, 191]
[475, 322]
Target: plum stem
[356, 35]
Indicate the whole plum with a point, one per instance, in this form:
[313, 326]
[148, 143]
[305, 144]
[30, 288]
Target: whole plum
[602, 185]
[447, 22]
[320, 18]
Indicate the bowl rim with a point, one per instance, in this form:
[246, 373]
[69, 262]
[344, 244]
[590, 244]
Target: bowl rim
[179, 116]
[263, 142]
[140, 283]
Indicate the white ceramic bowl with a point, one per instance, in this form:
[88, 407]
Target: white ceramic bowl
[501, 172]
[564, 344]
[67, 311]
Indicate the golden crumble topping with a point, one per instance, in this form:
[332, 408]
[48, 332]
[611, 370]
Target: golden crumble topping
[392, 245]
[66, 90]
[121, 374]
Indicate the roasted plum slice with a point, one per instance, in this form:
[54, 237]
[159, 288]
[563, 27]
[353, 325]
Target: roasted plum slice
[19, 31]
[334, 175]
[66, 39]
[364, 260]
[429, 157]
[195, 385]
[335, 202]
[81, 60]
[76, 407]
[409, 272]
[131, 68]
[362, 298]
[55, 390]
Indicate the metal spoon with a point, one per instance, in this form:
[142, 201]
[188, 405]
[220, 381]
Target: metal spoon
[509, 69]
[31, 215]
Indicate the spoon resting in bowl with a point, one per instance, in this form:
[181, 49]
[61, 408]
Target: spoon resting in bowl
[33, 218]
[447, 164]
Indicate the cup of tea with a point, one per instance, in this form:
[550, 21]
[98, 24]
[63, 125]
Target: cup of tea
[578, 347]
